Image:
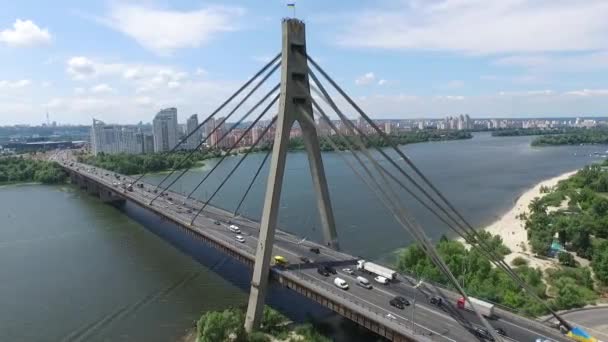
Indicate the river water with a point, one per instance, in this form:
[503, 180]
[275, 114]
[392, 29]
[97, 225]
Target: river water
[72, 268]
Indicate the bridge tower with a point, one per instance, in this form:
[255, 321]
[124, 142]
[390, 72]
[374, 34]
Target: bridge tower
[295, 101]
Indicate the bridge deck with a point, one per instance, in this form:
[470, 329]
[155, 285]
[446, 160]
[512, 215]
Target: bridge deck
[370, 308]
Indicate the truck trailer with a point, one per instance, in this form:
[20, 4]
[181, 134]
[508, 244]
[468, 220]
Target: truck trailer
[367, 266]
[484, 308]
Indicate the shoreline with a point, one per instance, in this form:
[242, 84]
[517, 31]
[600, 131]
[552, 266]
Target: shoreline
[512, 230]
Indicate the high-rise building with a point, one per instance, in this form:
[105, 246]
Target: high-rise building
[111, 139]
[165, 130]
[192, 126]
[388, 127]
[219, 127]
[104, 138]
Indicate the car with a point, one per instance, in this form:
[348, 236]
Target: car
[322, 270]
[403, 300]
[390, 316]
[305, 260]
[501, 331]
[483, 333]
[216, 222]
[397, 303]
[234, 229]
[381, 280]
[280, 260]
[331, 270]
[315, 250]
[364, 283]
[436, 300]
[189, 211]
[341, 283]
[348, 271]
[239, 238]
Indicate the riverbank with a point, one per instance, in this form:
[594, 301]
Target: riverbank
[512, 229]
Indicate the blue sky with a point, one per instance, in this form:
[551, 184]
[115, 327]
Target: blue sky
[121, 61]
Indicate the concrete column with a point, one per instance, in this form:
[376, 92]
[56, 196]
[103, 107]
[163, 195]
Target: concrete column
[295, 98]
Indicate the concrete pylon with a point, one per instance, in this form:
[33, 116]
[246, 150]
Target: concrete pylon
[295, 101]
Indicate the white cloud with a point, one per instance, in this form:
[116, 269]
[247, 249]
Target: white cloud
[79, 90]
[200, 71]
[25, 33]
[454, 84]
[481, 26]
[163, 30]
[173, 84]
[574, 62]
[365, 79]
[101, 88]
[588, 92]
[14, 84]
[81, 68]
[46, 84]
[381, 82]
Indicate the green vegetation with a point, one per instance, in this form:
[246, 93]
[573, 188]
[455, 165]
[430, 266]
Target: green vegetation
[377, 141]
[473, 270]
[19, 169]
[227, 325]
[586, 136]
[533, 131]
[131, 164]
[562, 288]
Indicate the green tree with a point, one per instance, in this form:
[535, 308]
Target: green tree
[599, 262]
[222, 326]
[566, 259]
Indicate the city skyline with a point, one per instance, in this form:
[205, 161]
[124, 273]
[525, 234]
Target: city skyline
[426, 59]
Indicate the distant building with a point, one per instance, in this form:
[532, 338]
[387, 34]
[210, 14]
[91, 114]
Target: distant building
[192, 126]
[165, 130]
[112, 139]
[388, 127]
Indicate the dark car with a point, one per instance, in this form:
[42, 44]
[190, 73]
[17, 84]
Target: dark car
[323, 271]
[397, 303]
[436, 300]
[216, 222]
[331, 270]
[483, 333]
[501, 331]
[305, 260]
[315, 250]
[403, 300]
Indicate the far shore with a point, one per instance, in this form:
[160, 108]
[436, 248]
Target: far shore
[512, 230]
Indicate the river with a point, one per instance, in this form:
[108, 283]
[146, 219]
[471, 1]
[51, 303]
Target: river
[72, 268]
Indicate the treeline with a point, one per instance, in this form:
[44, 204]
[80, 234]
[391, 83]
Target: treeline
[533, 131]
[19, 169]
[577, 211]
[375, 140]
[228, 325]
[130, 164]
[589, 136]
[564, 287]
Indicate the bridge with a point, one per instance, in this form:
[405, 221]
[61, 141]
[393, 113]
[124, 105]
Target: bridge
[259, 241]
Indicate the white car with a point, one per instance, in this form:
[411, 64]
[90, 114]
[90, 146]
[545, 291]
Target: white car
[381, 280]
[234, 229]
[390, 316]
[239, 238]
[341, 283]
[348, 270]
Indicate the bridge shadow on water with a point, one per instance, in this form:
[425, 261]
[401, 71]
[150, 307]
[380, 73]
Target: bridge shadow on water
[295, 306]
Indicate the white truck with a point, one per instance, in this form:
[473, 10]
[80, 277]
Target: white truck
[484, 308]
[367, 266]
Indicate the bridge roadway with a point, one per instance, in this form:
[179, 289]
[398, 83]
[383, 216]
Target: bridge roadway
[432, 323]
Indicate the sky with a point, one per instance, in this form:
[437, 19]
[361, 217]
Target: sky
[122, 61]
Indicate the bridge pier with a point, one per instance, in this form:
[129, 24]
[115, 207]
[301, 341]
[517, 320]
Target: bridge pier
[295, 103]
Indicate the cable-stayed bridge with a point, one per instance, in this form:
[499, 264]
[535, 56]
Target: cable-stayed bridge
[300, 265]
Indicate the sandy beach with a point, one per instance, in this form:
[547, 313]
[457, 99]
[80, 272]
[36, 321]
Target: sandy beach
[512, 229]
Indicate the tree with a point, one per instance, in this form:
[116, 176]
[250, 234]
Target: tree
[599, 262]
[566, 259]
[221, 326]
